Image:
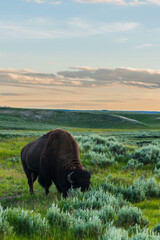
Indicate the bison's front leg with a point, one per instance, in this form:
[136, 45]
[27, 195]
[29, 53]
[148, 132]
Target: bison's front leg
[47, 190]
[58, 188]
[65, 194]
[45, 181]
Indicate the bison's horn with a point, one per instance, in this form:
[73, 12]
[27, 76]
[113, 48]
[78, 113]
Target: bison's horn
[69, 177]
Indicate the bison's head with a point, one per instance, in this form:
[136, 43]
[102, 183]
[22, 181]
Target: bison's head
[79, 179]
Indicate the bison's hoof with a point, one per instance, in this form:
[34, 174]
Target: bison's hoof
[46, 191]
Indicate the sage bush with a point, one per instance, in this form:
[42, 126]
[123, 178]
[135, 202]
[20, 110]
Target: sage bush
[5, 228]
[147, 154]
[26, 222]
[140, 190]
[130, 216]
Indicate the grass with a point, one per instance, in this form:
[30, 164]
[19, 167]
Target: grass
[151, 209]
[14, 191]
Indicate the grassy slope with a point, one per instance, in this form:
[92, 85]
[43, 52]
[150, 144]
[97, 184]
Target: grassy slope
[34, 119]
[151, 119]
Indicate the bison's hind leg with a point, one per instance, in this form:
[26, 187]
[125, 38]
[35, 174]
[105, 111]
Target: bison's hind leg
[31, 178]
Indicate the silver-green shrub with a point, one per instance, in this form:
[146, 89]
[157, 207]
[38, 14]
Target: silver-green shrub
[87, 145]
[13, 159]
[113, 233]
[81, 220]
[133, 164]
[118, 148]
[149, 186]
[58, 217]
[26, 222]
[88, 214]
[140, 190]
[81, 147]
[145, 236]
[85, 214]
[99, 159]
[100, 148]
[107, 213]
[157, 170]
[5, 228]
[157, 228]
[158, 165]
[111, 139]
[93, 199]
[130, 216]
[147, 154]
[78, 138]
[99, 139]
[91, 227]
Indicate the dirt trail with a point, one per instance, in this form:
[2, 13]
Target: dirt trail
[9, 197]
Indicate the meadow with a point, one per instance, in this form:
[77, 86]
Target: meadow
[123, 202]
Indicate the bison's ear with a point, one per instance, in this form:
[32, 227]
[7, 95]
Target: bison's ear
[69, 177]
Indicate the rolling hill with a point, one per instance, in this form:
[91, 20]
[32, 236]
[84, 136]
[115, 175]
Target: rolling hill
[38, 119]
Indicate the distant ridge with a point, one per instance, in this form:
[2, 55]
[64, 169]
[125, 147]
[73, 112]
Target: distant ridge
[42, 119]
[103, 110]
[77, 110]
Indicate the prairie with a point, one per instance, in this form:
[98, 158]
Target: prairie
[124, 197]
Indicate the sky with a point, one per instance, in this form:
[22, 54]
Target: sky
[80, 54]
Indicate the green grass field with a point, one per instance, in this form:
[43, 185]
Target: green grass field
[124, 197]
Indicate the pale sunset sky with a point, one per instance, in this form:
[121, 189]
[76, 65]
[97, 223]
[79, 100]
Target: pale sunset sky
[80, 54]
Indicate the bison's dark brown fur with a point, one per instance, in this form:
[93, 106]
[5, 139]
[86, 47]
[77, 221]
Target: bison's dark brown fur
[55, 157]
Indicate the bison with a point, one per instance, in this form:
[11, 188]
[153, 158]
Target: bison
[55, 157]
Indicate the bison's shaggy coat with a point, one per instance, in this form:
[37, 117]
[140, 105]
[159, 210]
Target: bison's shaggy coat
[55, 157]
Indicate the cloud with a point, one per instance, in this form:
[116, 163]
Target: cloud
[36, 1]
[55, 3]
[122, 2]
[49, 63]
[122, 40]
[45, 1]
[47, 28]
[10, 94]
[82, 77]
[100, 77]
[101, 27]
[117, 2]
[84, 68]
[145, 45]
[156, 2]
[25, 77]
